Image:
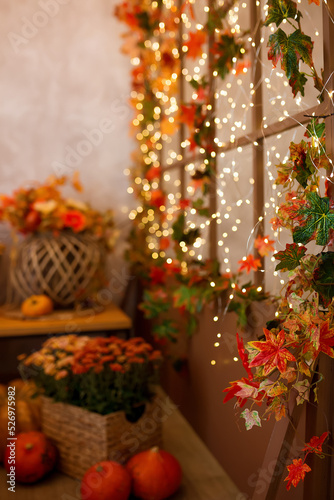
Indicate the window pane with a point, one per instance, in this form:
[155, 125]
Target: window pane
[235, 191]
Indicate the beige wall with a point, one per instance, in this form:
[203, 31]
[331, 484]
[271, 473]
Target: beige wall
[64, 91]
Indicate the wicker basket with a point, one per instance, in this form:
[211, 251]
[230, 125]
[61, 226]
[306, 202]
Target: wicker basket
[84, 438]
[61, 267]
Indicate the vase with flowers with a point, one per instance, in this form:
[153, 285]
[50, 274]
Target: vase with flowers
[98, 397]
[63, 250]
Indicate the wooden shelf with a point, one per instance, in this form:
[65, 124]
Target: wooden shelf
[203, 477]
[111, 318]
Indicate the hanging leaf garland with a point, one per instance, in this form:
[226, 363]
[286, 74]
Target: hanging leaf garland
[153, 48]
[290, 49]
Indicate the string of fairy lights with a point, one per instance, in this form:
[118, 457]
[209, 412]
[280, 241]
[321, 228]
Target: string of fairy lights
[233, 107]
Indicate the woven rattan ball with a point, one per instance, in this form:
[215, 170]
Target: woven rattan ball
[62, 267]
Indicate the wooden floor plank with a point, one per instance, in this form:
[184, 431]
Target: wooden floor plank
[203, 478]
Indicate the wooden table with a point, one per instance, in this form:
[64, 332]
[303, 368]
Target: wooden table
[203, 478]
[111, 318]
[23, 336]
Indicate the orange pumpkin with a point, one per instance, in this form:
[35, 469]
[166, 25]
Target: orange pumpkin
[155, 473]
[36, 305]
[27, 410]
[106, 480]
[32, 455]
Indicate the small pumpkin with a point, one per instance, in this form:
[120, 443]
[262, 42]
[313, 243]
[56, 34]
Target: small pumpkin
[156, 474]
[36, 305]
[106, 480]
[27, 410]
[33, 456]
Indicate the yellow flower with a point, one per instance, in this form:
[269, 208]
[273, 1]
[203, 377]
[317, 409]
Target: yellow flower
[45, 206]
[79, 205]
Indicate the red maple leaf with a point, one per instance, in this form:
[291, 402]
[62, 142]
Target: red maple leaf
[264, 245]
[153, 173]
[237, 386]
[315, 444]
[326, 341]
[172, 267]
[195, 42]
[157, 275]
[272, 353]
[187, 114]
[164, 243]
[244, 356]
[297, 471]
[157, 198]
[249, 264]
[184, 203]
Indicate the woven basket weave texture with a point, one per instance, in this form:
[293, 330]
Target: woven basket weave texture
[58, 266]
[84, 438]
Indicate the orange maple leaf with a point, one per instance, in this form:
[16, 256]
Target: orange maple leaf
[264, 245]
[325, 341]
[153, 173]
[187, 114]
[317, 2]
[76, 181]
[157, 198]
[297, 471]
[167, 127]
[272, 353]
[194, 44]
[241, 66]
[249, 264]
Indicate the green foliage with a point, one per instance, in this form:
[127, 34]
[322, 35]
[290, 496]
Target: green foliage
[318, 220]
[166, 328]
[299, 155]
[324, 278]
[290, 257]
[278, 10]
[244, 296]
[181, 234]
[315, 128]
[293, 48]
[289, 49]
[188, 298]
[199, 206]
[297, 82]
[154, 304]
[225, 50]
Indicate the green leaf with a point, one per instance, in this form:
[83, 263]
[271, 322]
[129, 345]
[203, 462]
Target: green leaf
[178, 228]
[290, 257]
[315, 128]
[166, 328]
[240, 310]
[324, 278]
[225, 51]
[289, 50]
[318, 221]
[192, 324]
[297, 83]
[278, 10]
[153, 306]
[199, 206]
[189, 298]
